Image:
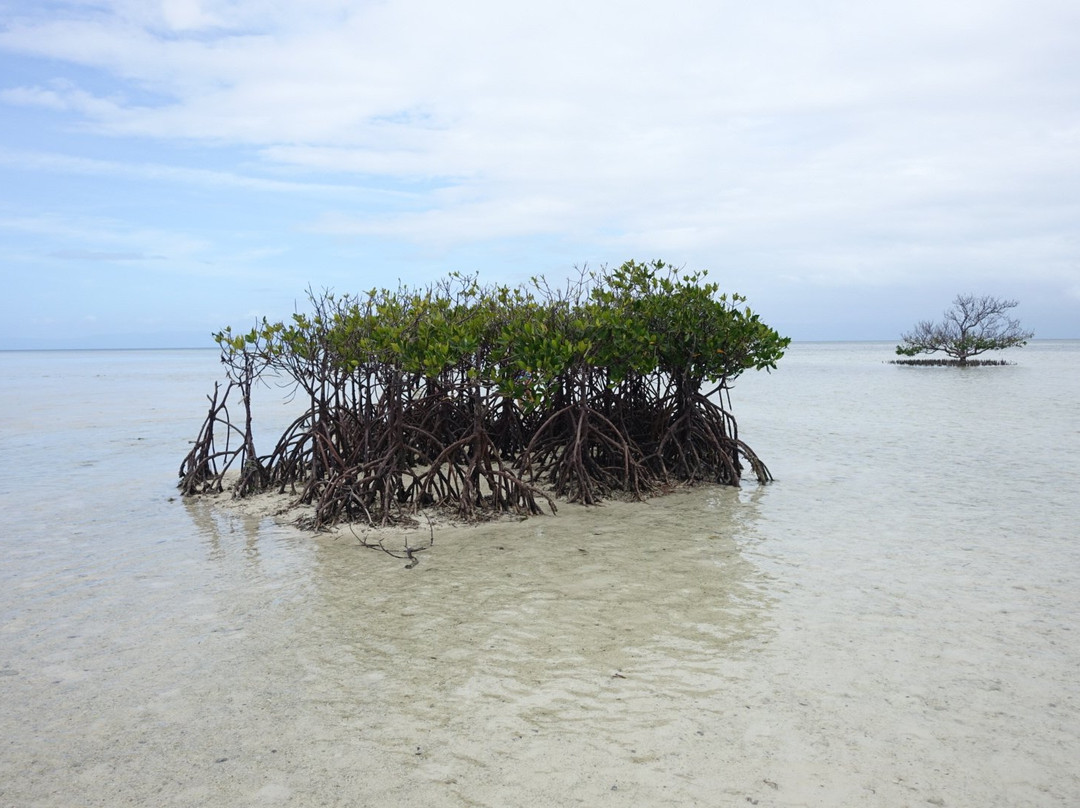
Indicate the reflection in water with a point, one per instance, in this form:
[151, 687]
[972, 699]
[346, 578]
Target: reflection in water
[218, 524]
[890, 623]
[598, 630]
[570, 647]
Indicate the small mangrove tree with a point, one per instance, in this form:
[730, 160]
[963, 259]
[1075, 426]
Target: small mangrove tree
[486, 400]
[973, 326]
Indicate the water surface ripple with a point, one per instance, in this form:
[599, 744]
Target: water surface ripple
[892, 623]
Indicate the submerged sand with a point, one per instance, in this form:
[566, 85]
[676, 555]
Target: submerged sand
[636, 654]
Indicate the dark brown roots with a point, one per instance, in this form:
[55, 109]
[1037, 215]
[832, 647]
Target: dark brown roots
[203, 469]
[584, 457]
[472, 452]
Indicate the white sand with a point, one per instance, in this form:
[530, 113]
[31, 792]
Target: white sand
[652, 654]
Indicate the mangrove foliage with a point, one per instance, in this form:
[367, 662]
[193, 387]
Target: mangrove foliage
[488, 400]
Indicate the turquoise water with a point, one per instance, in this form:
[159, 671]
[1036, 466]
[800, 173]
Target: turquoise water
[892, 622]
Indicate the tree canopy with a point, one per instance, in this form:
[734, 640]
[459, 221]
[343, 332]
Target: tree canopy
[974, 325]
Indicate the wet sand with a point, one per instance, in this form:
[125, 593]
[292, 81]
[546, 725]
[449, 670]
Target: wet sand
[658, 653]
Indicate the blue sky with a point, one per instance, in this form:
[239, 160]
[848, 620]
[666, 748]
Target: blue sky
[168, 168]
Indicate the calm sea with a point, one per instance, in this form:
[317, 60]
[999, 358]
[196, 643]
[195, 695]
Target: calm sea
[894, 621]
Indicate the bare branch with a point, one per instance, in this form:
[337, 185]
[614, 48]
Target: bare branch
[974, 325]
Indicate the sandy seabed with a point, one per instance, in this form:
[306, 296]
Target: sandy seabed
[893, 623]
[635, 654]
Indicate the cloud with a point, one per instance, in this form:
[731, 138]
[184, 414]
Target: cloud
[345, 74]
[156, 172]
[102, 239]
[96, 255]
[835, 144]
[61, 95]
[185, 15]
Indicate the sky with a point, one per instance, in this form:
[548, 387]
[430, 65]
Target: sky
[171, 167]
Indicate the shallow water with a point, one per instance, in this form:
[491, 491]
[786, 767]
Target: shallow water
[891, 623]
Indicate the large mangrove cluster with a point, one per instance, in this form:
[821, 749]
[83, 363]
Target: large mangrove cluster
[489, 399]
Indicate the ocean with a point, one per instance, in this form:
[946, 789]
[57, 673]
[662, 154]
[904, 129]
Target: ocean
[894, 621]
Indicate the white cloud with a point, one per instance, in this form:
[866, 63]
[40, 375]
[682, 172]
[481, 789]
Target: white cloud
[561, 68]
[61, 95]
[95, 238]
[846, 143]
[184, 15]
[156, 172]
[36, 97]
[97, 255]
